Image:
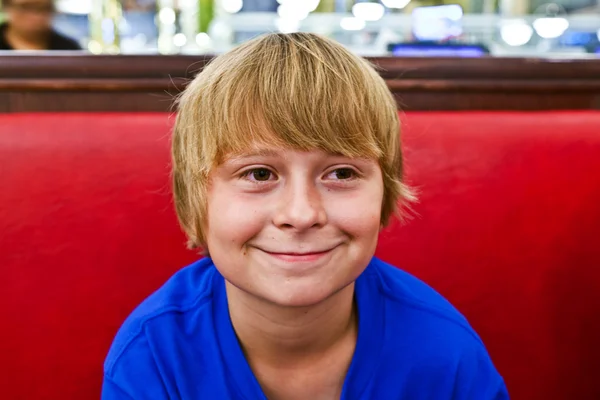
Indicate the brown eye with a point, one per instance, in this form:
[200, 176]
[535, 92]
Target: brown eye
[260, 174]
[343, 173]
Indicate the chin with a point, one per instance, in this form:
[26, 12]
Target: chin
[302, 295]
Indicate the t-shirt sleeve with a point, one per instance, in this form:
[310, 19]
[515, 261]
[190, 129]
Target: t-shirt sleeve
[478, 378]
[133, 374]
[112, 391]
[502, 392]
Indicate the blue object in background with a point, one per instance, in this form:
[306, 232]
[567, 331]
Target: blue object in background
[577, 38]
[425, 49]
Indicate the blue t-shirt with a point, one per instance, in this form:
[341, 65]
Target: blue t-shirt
[412, 344]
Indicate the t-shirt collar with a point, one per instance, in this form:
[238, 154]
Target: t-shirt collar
[367, 353]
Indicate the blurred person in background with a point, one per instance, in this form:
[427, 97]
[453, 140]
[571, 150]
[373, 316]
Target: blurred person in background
[28, 26]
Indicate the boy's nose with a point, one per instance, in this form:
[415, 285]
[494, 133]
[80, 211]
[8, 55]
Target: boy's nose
[300, 208]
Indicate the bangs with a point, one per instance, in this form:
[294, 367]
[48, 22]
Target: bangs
[298, 95]
[318, 124]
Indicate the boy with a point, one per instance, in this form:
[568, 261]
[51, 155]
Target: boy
[286, 164]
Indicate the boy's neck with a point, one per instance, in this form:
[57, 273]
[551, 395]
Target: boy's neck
[272, 334]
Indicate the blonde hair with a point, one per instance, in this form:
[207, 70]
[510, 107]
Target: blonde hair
[300, 91]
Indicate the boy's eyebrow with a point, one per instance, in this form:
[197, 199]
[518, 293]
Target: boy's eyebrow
[253, 153]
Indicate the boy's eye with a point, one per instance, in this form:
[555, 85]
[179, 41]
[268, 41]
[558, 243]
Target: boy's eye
[259, 174]
[342, 174]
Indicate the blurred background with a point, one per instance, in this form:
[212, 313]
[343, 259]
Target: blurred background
[467, 28]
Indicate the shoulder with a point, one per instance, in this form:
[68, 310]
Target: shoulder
[431, 340]
[416, 299]
[3, 44]
[63, 42]
[190, 289]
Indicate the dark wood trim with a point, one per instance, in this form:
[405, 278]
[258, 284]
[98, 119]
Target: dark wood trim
[90, 84]
[395, 85]
[491, 86]
[83, 66]
[487, 67]
[61, 82]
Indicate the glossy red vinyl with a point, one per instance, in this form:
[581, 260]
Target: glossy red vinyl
[507, 228]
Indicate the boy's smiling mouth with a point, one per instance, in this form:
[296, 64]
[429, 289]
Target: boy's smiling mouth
[309, 255]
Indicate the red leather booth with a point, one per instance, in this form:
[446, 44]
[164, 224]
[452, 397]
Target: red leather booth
[508, 228]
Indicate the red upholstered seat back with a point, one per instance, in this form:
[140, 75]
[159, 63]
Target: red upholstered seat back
[508, 228]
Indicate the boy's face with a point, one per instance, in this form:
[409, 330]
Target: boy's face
[292, 227]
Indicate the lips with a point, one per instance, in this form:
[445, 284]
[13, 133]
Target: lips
[292, 253]
[299, 256]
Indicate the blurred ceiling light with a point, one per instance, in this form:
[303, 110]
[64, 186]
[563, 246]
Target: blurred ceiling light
[368, 11]
[179, 40]
[352, 24]
[232, 6]
[292, 11]
[82, 7]
[395, 3]
[167, 16]
[285, 25]
[94, 47]
[220, 31]
[550, 27]
[202, 39]
[453, 12]
[516, 32]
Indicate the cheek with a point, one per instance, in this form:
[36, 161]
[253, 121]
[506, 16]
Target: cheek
[232, 218]
[359, 216]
